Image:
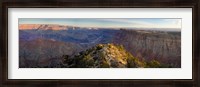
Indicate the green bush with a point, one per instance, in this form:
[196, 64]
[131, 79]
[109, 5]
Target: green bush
[99, 46]
[120, 47]
[104, 65]
[131, 62]
[153, 64]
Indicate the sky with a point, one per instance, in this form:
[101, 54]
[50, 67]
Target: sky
[108, 22]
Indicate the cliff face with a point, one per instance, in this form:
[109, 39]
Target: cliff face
[29, 26]
[44, 52]
[162, 46]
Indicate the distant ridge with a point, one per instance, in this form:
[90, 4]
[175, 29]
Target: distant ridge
[66, 27]
[42, 27]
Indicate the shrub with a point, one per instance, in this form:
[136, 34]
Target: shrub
[99, 46]
[153, 64]
[104, 65]
[66, 58]
[131, 62]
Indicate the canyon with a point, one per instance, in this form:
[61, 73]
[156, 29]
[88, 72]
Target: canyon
[44, 45]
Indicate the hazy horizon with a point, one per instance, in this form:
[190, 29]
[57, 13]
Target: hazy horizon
[162, 23]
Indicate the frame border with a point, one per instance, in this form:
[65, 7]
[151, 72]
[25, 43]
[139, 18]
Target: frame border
[126, 4]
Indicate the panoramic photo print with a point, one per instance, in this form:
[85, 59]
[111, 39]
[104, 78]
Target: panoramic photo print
[99, 42]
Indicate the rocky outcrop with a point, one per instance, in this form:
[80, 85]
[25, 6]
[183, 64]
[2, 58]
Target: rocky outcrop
[103, 56]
